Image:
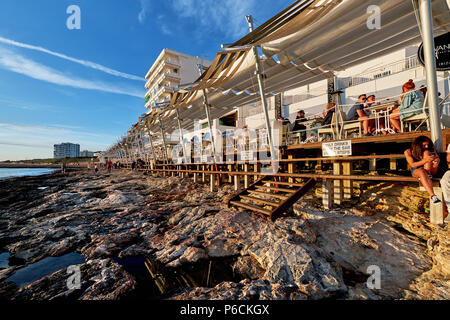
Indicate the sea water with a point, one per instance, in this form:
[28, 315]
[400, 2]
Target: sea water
[22, 172]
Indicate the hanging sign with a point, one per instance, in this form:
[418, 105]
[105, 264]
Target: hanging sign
[337, 148]
[246, 155]
[278, 106]
[441, 50]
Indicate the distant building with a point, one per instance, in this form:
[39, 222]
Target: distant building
[66, 150]
[86, 154]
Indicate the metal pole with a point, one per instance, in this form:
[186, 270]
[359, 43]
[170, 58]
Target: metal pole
[151, 143]
[181, 137]
[430, 69]
[208, 116]
[259, 75]
[164, 140]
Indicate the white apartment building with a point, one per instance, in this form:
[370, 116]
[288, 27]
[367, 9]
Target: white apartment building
[170, 70]
[66, 150]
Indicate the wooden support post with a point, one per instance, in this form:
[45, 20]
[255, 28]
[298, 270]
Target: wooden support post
[237, 182]
[437, 210]
[212, 182]
[290, 167]
[255, 169]
[203, 174]
[246, 176]
[195, 177]
[373, 164]
[327, 194]
[338, 190]
[393, 164]
[230, 177]
[348, 184]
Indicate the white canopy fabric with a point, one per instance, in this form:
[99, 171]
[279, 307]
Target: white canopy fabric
[303, 44]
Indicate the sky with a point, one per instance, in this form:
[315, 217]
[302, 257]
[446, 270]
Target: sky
[86, 85]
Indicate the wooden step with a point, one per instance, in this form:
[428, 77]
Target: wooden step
[268, 194]
[275, 189]
[292, 184]
[251, 207]
[272, 204]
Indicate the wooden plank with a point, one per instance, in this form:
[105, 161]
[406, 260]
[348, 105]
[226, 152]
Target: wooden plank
[292, 184]
[251, 207]
[275, 189]
[273, 204]
[261, 193]
[292, 199]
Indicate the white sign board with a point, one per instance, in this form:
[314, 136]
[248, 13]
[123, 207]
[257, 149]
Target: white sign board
[246, 155]
[337, 148]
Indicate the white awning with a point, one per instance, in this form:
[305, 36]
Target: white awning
[311, 39]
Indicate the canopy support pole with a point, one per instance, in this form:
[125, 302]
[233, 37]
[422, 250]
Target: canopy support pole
[164, 140]
[181, 137]
[259, 75]
[151, 144]
[208, 116]
[426, 19]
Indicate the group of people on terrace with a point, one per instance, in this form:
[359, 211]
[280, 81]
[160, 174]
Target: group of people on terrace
[410, 103]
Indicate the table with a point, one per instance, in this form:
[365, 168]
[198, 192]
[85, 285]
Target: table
[382, 111]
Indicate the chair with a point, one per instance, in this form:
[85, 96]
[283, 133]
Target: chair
[332, 129]
[348, 127]
[421, 117]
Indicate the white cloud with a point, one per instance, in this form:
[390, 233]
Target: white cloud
[145, 8]
[161, 19]
[19, 64]
[225, 16]
[85, 63]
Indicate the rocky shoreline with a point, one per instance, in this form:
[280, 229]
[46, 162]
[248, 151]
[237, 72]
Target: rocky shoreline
[167, 238]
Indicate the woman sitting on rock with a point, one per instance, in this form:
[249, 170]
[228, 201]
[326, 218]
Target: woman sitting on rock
[424, 163]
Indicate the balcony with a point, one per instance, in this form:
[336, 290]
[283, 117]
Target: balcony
[164, 63]
[385, 71]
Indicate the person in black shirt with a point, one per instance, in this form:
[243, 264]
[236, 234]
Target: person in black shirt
[298, 126]
[357, 113]
[328, 113]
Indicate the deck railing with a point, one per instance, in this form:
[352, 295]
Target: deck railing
[381, 72]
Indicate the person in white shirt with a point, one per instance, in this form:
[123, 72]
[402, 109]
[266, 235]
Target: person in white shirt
[445, 183]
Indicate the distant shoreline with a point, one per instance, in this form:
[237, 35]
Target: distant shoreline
[37, 166]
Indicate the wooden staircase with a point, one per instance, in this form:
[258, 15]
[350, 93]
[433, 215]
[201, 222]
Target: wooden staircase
[270, 197]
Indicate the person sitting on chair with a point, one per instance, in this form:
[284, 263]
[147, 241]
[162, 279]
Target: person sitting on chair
[411, 104]
[328, 113]
[357, 112]
[300, 127]
[424, 163]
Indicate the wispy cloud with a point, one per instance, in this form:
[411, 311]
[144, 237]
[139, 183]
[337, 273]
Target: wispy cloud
[16, 63]
[227, 16]
[161, 19]
[85, 63]
[145, 8]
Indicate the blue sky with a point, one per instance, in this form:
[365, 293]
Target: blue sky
[87, 86]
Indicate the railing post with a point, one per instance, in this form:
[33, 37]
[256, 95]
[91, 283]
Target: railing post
[430, 69]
